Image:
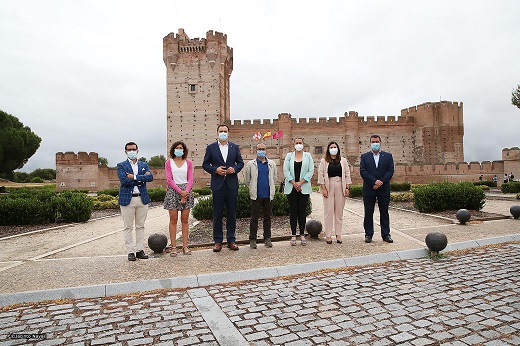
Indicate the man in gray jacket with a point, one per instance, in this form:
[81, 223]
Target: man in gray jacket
[260, 176]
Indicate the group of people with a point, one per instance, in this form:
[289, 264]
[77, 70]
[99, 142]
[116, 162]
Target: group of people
[223, 161]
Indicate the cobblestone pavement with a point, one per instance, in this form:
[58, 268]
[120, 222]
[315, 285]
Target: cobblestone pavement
[469, 298]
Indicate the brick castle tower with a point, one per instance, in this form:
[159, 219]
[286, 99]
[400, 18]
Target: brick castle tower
[197, 75]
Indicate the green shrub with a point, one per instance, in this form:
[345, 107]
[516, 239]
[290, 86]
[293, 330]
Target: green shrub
[20, 211]
[484, 187]
[110, 192]
[401, 196]
[157, 194]
[485, 183]
[202, 191]
[356, 191]
[400, 187]
[73, 206]
[104, 198]
[448, 196]
[203, 210]
[102, 202]
[36, 180]
[512, 187]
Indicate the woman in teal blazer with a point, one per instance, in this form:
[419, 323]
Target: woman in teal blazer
[298, 169]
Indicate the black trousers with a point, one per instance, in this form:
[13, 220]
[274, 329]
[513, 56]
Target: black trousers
[297, 205]
[382, 202]
[257, 205]
[224, 197]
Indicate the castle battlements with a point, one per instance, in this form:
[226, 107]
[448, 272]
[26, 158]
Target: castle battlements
[432, 105]
[81, 158]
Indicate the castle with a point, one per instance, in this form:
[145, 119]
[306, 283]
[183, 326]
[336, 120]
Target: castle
[425, 140]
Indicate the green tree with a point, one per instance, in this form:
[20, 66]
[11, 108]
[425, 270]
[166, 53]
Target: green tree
[102, 161]
[44, 173]
[17, 144]
[21, 177]
[142, 159]
[515, 96]
[157, 161]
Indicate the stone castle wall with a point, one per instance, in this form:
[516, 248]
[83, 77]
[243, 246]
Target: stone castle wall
[426, 140]
[81, 171]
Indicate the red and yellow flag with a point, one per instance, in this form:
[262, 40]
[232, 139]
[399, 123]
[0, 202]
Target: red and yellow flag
[267, 134]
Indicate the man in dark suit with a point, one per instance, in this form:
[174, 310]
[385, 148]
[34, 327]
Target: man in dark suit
[133, 200]
[223, 161]
[376, 168]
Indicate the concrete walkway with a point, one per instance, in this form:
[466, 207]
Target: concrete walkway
[353, 293]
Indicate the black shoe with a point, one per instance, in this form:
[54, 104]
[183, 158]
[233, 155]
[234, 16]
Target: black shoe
[368, 239]
[388, 239]
[131, 257]
[141, 255]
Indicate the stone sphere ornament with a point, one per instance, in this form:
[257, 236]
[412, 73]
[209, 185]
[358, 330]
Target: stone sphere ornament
[436, 241]
[157, 242]
[313, 228]
[463, 216]
[515, 211]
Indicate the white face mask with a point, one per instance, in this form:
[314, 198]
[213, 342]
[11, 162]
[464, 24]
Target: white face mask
[333, 151]
[298, 147]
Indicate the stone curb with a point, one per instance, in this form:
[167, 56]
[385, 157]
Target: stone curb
[202, 280]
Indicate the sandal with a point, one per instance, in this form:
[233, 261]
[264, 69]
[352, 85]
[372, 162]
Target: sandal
[329, 241]
[303, 241]
[339, 241]
[186, 250]
[173, 252]
[293, 241]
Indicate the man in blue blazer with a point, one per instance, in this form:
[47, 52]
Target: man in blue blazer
[133, 200]
[223, 161]
[376, 168]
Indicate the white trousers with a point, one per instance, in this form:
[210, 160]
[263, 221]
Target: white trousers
[333, 207]
[135, 211]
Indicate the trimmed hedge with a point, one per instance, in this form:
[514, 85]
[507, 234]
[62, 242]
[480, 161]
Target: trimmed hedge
[448, 196]
[356, 191]
[157, 194]
[401, 197]
[400, 187]
[203, 210]
[202, 191]
[511, 187]
[110, 192]
[39, 206]
[486, 183]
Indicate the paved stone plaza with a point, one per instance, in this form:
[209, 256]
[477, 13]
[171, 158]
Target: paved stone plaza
[349, 294]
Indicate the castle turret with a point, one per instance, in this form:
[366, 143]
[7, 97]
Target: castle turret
[197, 73]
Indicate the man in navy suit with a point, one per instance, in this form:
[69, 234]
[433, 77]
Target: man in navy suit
[376, 168]
[133, 200]
[223, 161]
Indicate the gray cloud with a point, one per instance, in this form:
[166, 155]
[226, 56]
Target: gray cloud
[89, 76]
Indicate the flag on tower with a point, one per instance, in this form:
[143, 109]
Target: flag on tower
[278, 134]
[267, 134]
[257, 136]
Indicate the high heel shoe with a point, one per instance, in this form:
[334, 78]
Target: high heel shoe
[339, 241]
[173, 252]
[302, 240]
[329, 241]
[186, 250]
[293, 241]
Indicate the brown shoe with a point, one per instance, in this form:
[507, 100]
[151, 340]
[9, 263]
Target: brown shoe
[232, 246]
[217, 247]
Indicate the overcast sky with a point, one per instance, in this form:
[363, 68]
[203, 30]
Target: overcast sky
[89, 75]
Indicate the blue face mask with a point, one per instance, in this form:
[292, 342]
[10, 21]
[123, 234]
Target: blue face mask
[178, 152]
[223, 136]
[375, 146]
[132, 155]
[260, 153]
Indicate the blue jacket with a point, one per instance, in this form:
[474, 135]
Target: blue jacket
[213, 159]
[383, 172]
[127, 185]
